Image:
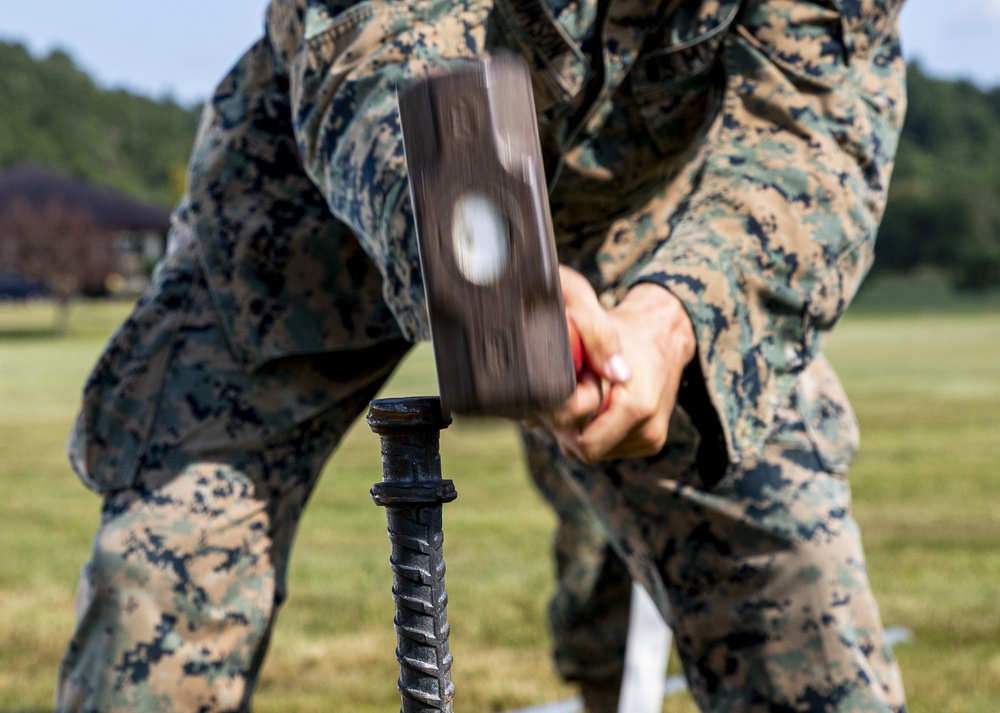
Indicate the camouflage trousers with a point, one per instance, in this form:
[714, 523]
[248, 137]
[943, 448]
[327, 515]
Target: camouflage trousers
[763, 570]
[761, 575]
[187, 569]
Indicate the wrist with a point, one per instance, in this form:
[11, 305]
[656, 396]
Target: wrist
[663, 317]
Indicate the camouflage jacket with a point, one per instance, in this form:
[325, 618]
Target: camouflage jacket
[736, 152]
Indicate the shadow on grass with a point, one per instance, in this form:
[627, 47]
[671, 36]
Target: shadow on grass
[25, 334]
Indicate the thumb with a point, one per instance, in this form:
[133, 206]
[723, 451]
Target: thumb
[595, 330]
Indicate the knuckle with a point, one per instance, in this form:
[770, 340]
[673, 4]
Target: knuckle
[654, 436]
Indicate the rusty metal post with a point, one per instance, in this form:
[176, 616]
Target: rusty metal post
[413, 491]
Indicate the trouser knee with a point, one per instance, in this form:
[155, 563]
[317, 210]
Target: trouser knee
[177, 601]
[773, 606]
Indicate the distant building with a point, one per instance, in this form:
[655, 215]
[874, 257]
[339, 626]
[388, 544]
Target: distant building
[76, 237]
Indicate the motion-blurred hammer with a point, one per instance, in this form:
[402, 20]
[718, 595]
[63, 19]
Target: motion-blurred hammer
[487, 250]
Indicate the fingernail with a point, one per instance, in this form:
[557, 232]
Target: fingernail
[618, 369]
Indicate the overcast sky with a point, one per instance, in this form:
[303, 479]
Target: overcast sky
[183, 47]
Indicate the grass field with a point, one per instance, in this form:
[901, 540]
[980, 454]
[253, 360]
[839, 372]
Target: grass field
[925, 384]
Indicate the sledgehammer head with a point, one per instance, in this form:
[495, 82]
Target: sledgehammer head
[486, 244]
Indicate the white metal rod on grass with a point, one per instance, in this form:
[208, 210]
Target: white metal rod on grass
[646, 653]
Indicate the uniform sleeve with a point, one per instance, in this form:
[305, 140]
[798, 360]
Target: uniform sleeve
[773, 241]
[344, 63]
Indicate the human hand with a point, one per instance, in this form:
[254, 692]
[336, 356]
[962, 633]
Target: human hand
[634, 354]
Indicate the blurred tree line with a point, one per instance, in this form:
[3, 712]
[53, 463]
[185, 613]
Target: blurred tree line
[943, 212]
[944, 202]
[53, 114]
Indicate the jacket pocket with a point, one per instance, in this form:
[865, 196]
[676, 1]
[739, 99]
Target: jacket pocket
[123, 392]
[866, 23]
[829, 419]
[559, 70]
[677, 80]
[816, 417]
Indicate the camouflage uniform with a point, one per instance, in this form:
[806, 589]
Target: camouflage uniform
[736, 153]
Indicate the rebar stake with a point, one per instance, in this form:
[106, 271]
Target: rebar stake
[413, 491]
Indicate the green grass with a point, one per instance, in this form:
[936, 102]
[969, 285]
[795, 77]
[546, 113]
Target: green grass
[921, 292]
[926, 387]
[925, 384]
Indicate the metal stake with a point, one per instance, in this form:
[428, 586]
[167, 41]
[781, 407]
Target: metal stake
[413, 491]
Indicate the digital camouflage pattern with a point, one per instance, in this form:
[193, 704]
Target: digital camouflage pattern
[188, 566]
[589, 611]
[737, 153]
[761, 576]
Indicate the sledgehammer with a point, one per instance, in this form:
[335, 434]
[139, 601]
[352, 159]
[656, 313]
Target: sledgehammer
[487, 251]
